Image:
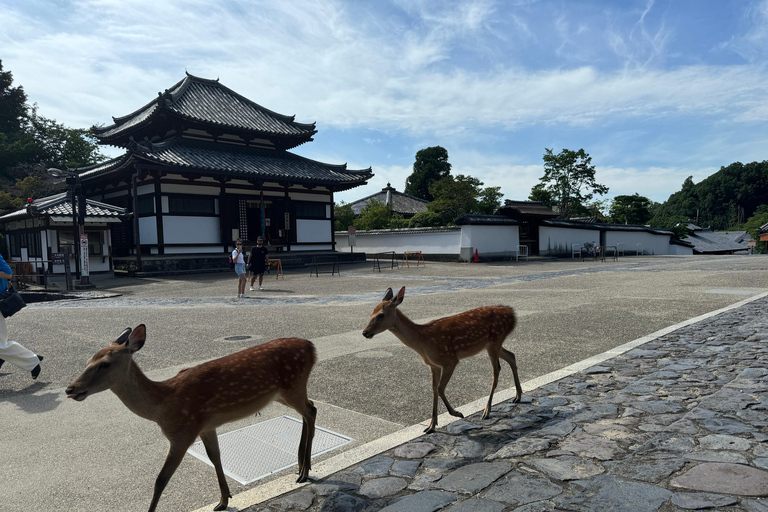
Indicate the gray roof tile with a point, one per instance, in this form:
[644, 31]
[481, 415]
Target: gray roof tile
[208, 101]
[60, 205]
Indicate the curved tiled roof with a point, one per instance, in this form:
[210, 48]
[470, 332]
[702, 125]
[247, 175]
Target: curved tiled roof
[401, 203]
[239, 161]
[60, 205]
[208, 101]
[477, 219]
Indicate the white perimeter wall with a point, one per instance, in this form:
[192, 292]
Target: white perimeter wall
[491, 240]
[652, 244]
[447, 242]
[557, 241]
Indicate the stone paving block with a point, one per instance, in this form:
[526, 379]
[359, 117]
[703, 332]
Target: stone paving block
[417, 450]
[301, 500]
[607, 493]
[477, 505]
[406, 468]
[724, 442]
[539, 506]
[377, 466]
[382, 487]
[519, 448]
[458, 427]
[591, 446]
[717, 456]
[652, 470]
[342, 502]
[517, 489]
[724, 478]
[338, 482]
[468, 449]
[567, 467]
[424, 501]
[696, 501]
[755, 505]
[473, 477]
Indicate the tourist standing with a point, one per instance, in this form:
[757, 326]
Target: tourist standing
[10, 350]
[258, 261]
[239, 260]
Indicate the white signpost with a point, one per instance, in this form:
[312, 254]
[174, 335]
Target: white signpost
[84, 255]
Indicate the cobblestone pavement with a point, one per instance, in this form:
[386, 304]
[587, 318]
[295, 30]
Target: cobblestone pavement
[680, 423]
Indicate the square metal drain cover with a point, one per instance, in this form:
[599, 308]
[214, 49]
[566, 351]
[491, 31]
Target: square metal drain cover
[253, 452]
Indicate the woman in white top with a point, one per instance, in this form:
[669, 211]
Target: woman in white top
[239, 261]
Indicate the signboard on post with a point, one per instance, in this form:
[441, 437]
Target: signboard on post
[351, 231]
[84, 255]
[57, 258]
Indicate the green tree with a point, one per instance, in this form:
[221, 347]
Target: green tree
[570, 177]
[542, 195]
[30, 143]
[754, 223]
[489, 200]
[374, 215]
[344, 216]
[431, 165]
[634, 209]
[455, 197]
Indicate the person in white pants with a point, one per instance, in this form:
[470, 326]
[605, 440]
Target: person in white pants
[10, 350]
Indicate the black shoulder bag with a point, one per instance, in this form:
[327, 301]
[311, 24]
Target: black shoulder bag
[11, 301]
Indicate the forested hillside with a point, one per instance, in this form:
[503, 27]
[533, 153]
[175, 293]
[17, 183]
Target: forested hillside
[724, 200]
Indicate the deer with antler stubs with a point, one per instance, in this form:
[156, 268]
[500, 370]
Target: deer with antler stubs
[444, 342]
[201, 398]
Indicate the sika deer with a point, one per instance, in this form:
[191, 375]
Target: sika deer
[442, 343]
[201, 398]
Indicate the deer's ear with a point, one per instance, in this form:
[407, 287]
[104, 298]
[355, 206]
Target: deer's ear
[123, 337]
[137, 338]
[399, 299]
[388, 295]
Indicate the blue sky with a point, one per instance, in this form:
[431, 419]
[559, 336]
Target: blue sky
[654, 91]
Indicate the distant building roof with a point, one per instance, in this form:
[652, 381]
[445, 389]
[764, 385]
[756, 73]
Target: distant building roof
[405, 205]
[604, 226]
[208, 102]
[486, 220]
[235, 161]
[59, 208]
[706, 241]
[524, 210]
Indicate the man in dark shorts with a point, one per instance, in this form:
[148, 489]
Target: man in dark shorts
[258, 261]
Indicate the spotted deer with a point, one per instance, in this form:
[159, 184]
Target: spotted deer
[444, 342]
[199, 399]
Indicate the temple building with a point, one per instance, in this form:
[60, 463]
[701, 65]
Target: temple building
[205, 166]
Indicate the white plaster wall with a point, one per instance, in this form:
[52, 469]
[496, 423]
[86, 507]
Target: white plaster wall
[189, 230]
[148, 230]
[652, 244]
[403, 240]
[680, 250]
[558, 241]
[313, 231]
[491, 240]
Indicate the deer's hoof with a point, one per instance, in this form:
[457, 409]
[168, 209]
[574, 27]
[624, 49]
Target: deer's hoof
[221, 506]
[457, 414]
[429, 430]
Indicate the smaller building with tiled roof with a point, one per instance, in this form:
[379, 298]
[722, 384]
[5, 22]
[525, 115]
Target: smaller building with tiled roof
[403, 204]
[706, 241]
[45, 226]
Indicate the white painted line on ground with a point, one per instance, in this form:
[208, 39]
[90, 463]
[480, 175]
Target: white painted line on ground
[358, 454]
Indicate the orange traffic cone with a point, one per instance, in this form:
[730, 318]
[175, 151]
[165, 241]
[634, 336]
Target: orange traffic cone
[477, 257]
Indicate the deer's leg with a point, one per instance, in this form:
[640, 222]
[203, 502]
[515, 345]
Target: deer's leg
[496, 366]
[510, 358]
[436, 371]
[297, 399]
[211, 443]
[172, 461]
[445, 376]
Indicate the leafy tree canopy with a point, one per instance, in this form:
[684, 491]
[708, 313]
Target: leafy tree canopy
[569, 177]
[344, 216]
[754, 223]
[31, 143]
[634, 209]
[721, 201]
[431, 165]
